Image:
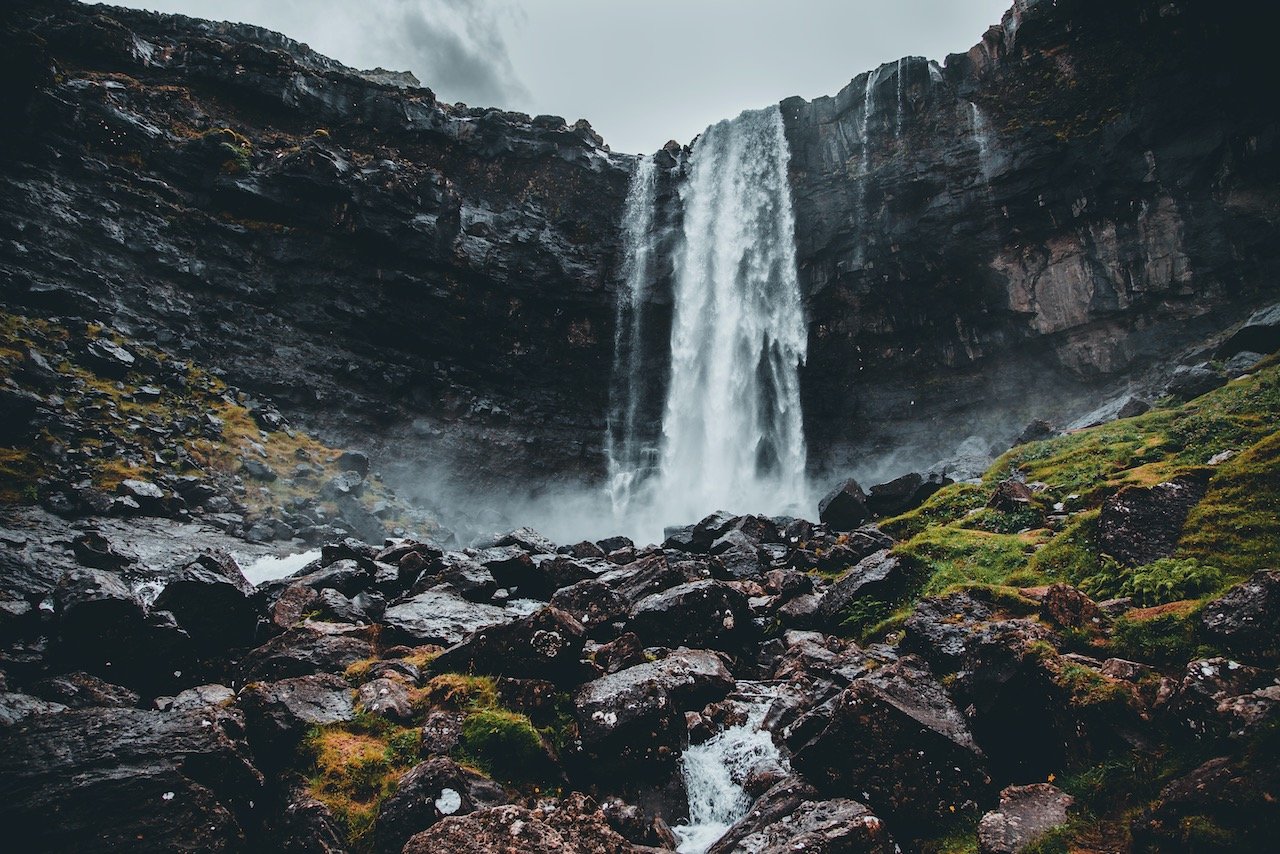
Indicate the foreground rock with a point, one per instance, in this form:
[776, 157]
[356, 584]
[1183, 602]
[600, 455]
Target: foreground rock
[791, 817]
[440, 616]
[130, 780]
[575, 825]
[1139, 525]
[544, 645]
[436, 789]
[1026, 814]
[1244, 620]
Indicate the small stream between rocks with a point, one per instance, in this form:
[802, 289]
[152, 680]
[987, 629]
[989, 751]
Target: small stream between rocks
[715, 771]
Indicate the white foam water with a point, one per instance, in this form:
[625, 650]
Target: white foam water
[714, 772]
[270, 567]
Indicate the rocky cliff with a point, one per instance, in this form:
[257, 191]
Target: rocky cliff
[1017, 233]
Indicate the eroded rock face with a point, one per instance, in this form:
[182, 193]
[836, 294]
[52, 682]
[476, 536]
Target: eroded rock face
[791, 816]
[1139, 525]
[1026, 813]
[573, 826]
[1244, 620]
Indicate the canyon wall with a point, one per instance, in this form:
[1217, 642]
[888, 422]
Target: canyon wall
[1013, 234]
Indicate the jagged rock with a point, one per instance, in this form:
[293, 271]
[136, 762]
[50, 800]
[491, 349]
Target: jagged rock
[876, 576]
[584, 549]
[81, 690]
[198, 697]
[15, 707]
[612, 544]
[895, 738]
[386, 697]
[439, 616]
[638, 713]
[544, 645]
[344, 485]
[310, 648]
[791, 817]
[473, 581]
[293, 604]
[845, 507]
[436, 789]
[212, 601]
[562, 571]
[306, 826]
[278, 714]
[1244, 620]
[1010, 496]
[1260, 333]
[1189, 382]
[1202, 702]
[1026, 814]
[596, 605]
[515, 828]
[109, 359]
[128, 779]
[346, 575]
[512, 567]
[529, 540]
[1139, 525]
[94, 550]
[705, 614]
[1234, 802]
[738, 555]
[620, 653]
[903, 493]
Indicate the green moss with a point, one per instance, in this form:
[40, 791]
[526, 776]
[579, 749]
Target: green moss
[504, 744]
[459, 692]
[1171, 580]
[1073, 554]
[1237, 525]
[959, 556]
[1169, 634]
[946, 505]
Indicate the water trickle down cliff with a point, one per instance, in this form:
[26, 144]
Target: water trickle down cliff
[732, 431]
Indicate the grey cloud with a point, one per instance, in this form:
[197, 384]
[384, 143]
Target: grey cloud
[465, 58]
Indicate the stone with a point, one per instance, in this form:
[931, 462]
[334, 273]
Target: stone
[1234, 800]
[1259, 334]
[195, 698]
[79, 690]
[212, 601]
[128, 780]
[596, 605]
[433, 790]
[278, 714]
[705, 614]
[876, 576]
[1010, 496]
[1241, 364]
[529, 540]
[1244, 619]
[356, 461]
[306, 826]
[1190, 382]
[16, 707]
[311, 648]
[845, 507]
[1066, 607]
[1139, 525]
[386, 697]
[896, 496]
[792, 817]
[544, 645]
[895, 738]
[515, 828]
[1025, 814]
[439, 616]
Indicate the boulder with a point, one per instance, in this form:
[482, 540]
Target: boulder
[544, 645]
[278, 714]
[529, 540]
[1244, 620]
[903, 493]
[1189, 382]
[1139, 525]
[792, 817]
[130, 780]
[705, 614]
[894, 738]
[312, 647]
[845, 507]
[305, 826]
[1260, 334]
[15, 707]
[596, 605]
[293, 604]
[473, 582]
[1025, 814]
[212, 601]
[1010, 496]
[79, 690]
[1233, 803]
[712, 528]
[434, 790]
[386, 697]
[439, 616]
[637, 714]
[877, 576]
[1066, 607]
[498, 830]
[513, 568]
[198, 697]
[618, 654]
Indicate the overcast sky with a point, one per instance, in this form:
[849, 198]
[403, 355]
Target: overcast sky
[642, 71]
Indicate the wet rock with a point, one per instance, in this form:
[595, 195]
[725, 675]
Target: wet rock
[94, 550]
[128, 779]
[903, 493]
[562, 571]
[637, 713]
[293, 604]
[895, 738]
[1244, 620]
[1232, 802]
[195, 698]
[212, 601]
[310, 648]
[1189, 382]
[109, 358]
[344, 485]
[278, 714]
[544, 645]
[436, 789]
[474, 582]
[705, 614]
[515, 828]
[1139, 525]
[1036, 431]
[1260, 333]
[618, 654]
[529, 540]
[346, 575]
[306, 826]
[79, 690]
[876, 576]
[1010, 496]
[1026, 813]
[356, 461]
[792, 817]
[596, 605]
[612, 544]
[845, 507]
[585, 549]
[512, 567]
[16, 707]
[1202, 702]
[386, 697]
[439, 616]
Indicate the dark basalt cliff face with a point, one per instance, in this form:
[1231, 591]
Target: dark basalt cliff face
[377, 262]
[1020, 231]
[1033, 225]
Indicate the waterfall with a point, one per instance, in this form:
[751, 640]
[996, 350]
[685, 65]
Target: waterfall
[732, 429]
[980, 129]
[715, 770]
[629, 457]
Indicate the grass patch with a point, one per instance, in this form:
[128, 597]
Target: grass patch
[1237, 526]
[458, 692]
[505, 745]
[355, 767]
[960, 556]
[1167, 634]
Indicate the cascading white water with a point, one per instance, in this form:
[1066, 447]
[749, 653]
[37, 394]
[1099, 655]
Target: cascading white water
[630, 458]
[980, 129]
[714, 772]
[732, 429]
